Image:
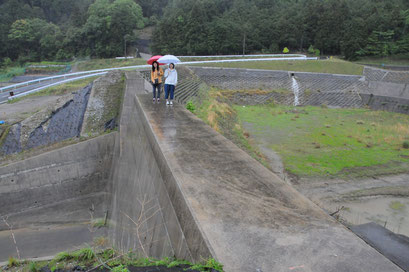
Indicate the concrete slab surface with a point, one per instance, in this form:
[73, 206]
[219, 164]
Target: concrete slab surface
[393, 246]
[249, 218]
[46, 241]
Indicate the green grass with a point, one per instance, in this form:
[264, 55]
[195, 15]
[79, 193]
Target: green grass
[95, 64]
[120, 262]
[8, 73]
[334, 66]
[62, 89]
[318, 142]
[214, 109]
[397, 206]
[398, 60]
[49, 63]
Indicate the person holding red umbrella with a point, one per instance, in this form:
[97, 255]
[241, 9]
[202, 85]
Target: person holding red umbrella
[156, 79]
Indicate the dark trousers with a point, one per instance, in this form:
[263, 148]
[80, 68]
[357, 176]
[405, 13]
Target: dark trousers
[156, 86]
[169, 89]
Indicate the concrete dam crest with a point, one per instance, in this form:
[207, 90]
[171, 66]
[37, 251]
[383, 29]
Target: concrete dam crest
[172, 186]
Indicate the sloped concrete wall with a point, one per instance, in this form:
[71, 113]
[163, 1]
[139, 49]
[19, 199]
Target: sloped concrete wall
[215, 200]
[387, 83]
[57, 187]
[142, 215]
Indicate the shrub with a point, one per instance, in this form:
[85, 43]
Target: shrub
[405, 144]
[120, 268]
[33, 267]
[286, 50]
[311, 49]
[84, 254]
[13, 262]
[62, 256]
[190, 106]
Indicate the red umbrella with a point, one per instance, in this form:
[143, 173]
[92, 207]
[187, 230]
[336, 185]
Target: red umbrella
[154, 58]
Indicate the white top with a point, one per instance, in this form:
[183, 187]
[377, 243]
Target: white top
[171, 77]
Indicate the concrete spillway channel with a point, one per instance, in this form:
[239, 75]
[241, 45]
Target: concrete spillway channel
[199, 196]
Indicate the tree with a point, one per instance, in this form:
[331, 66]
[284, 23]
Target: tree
[286, 50]
[108, 23]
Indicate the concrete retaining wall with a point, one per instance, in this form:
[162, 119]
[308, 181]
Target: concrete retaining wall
[141, 211]
[58, 186]
[314, 88]
[379, 89]
[386, 103]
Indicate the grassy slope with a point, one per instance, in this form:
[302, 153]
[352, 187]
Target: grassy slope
[8, 73]
[327, 142]
[399, 60]
[59, 89]
[334, 66]
[95, 64]
[218, 114]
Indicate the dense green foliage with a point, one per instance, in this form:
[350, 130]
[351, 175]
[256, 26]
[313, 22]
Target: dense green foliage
[35, 30]
[352, 28]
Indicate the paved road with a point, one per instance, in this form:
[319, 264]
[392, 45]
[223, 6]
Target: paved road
[4, 95]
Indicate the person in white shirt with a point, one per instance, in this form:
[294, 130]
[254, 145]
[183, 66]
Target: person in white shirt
[171, 76]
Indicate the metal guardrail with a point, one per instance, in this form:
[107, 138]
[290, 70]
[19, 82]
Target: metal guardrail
[271, 57]
[26, 83]
[76, 76]
[53, 84]
[234, 56]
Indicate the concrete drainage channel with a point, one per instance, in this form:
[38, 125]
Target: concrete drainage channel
[50, 202]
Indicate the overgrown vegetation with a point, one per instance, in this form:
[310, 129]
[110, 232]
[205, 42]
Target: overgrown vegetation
[11, 71]
[333, 66]
[324, 142]
[95, 64]
[108, 260]
[214, 109]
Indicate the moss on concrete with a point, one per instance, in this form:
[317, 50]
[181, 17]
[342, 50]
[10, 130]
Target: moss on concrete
[104, 103]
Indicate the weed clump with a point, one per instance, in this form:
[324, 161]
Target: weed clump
[405, 144]
[359, 122]
[13, 262]
[190, 106]
[63, 256]
[84, 254]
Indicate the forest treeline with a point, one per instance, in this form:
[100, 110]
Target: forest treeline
[33, 30]
[351, 28]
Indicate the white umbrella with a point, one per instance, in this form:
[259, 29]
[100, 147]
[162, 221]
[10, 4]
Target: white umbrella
[168, 59]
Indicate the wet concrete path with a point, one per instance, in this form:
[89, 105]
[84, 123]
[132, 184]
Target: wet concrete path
[250, 219]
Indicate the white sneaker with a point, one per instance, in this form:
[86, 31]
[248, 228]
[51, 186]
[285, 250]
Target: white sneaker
[157, 100]
[167, 102]
[171, 102]
[154, 100]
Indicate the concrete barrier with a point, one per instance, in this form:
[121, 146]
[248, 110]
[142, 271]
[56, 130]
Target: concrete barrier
[142, 215]
[57, 187]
